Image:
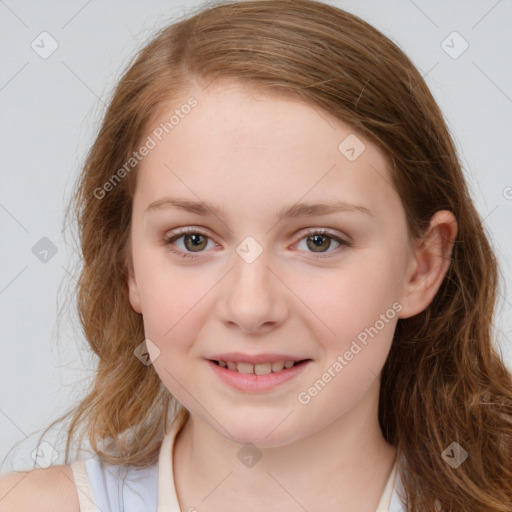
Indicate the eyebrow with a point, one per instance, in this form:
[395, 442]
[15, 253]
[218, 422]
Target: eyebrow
[204, 208]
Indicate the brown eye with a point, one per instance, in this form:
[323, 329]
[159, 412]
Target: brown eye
[194, 241]
[318, 242]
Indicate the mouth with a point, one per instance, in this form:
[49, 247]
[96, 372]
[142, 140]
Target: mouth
[260, 368]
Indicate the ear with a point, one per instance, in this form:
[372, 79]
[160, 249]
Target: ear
[429, 263]
[133, 290]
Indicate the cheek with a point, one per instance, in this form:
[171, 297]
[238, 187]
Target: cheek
[166, 292]
[351, 298]
[161, 307]
[173, 309]
[170, 323]
[360, 309]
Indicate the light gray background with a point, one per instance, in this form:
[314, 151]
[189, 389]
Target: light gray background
[51, 109]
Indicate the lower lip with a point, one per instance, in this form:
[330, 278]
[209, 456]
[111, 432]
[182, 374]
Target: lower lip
[253, 382]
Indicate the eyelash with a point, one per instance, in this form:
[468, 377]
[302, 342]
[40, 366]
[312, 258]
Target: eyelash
[175, 236]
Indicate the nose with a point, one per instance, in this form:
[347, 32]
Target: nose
[254, 298]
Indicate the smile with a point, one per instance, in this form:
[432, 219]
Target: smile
[258, 369]
[257, 377]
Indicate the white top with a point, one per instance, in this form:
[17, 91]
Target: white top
[106, 488]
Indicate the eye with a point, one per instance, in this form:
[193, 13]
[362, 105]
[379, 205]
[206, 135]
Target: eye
[195, 240]
[318, 239]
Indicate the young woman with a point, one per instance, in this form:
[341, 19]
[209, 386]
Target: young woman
[285, 280]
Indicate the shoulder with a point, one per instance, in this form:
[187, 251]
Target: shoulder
[44, 490]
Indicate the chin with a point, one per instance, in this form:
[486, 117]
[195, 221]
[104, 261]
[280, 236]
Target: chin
[265, 432]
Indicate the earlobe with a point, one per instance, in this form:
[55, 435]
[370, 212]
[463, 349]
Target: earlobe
[429, 264]
[133, 290]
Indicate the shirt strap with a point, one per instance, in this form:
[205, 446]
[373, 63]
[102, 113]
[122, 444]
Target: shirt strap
[83, 487]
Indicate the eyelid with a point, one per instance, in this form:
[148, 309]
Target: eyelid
[302, 233]
[188, 230]
[343, 240]
[325, 231]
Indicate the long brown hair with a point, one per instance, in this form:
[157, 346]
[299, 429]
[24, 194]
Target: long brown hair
[443, 381]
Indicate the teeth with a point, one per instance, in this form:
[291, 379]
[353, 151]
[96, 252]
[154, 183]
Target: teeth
[258, 369]
[245, 368]
[263, 368]
[278, 366]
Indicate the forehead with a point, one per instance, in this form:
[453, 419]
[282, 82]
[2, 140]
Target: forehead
[252, 150]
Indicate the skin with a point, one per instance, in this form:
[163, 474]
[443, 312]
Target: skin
[252, 155]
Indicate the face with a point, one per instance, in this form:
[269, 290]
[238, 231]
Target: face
[325, 287]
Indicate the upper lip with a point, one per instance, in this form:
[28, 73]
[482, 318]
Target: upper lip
[238, 357]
